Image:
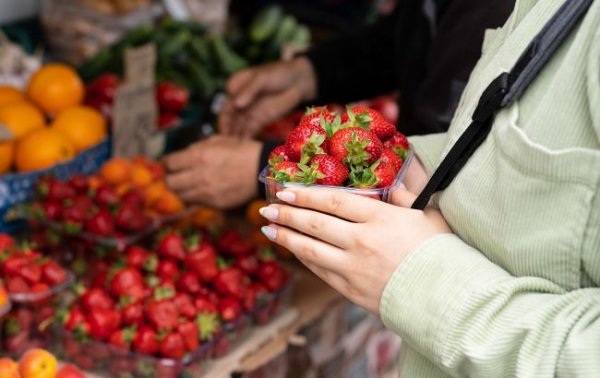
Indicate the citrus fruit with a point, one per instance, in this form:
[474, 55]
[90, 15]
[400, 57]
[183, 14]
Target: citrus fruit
[116, 171]
[252, 214]
[206, 217]
[10, 94]
[21, 118]
[168, 203]
[55, 87]
[3, 297]
[42, 149]
[38, 363]
[6, 156]
[141, 176]
[83, 126]
[9, 368]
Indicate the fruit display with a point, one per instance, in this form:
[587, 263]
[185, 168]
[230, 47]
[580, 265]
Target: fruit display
[123, 202]
[171, 99]
[164, 305]
[358, 150]
[37, 363]
[33, 282]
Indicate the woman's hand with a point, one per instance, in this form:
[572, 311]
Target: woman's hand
[352, 242]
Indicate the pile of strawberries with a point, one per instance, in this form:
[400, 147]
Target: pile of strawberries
[25, 270]
[123, 199]
[357, 148]
[165, 299]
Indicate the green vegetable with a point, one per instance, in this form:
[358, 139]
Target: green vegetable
[284, 33]
[265, 23]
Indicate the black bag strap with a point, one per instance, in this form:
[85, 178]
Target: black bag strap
[502, 92]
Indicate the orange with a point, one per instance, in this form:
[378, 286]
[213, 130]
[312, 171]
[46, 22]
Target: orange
[82, 125]
[21, 118]
[94, 182]
[252, 214]
[153, 192]
[141, 176]
[3, 298]
[55, 87]
[9, 368]
[116, 171]
[42, 149]
[259, 239]
[10, 94]
[168, 203]
[38, 363]
[7, 150]
[205, 217]
[123, 188]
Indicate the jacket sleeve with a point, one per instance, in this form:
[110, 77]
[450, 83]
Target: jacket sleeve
[356, 66]
[472, 318]
[428, 148]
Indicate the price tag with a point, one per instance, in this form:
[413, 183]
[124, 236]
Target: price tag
[5, 134]
[140, 63]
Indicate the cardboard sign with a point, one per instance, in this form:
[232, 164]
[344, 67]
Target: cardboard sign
[140, 64]
[5, 134]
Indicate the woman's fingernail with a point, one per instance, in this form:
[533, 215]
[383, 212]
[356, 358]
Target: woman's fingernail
[270, 213]
[286, 196]
[270, 232]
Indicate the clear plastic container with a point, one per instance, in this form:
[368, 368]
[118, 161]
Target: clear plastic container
[272, 304]
[272, 187]
[232, 334]
[109, 360]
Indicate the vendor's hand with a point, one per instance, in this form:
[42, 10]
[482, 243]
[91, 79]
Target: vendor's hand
[352, 242]
[261, 95]
[220, 171]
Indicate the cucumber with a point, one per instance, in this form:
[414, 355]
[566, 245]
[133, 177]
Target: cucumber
[230, 61]
[284, 32]
[265, 23]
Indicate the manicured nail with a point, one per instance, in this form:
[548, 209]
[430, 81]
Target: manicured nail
[270, 213]
[286, 196]
[270, 232]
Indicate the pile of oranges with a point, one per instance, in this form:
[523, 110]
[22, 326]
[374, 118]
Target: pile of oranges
[37, 363]
[47, 120]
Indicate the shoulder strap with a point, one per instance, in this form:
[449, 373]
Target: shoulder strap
[502, 92]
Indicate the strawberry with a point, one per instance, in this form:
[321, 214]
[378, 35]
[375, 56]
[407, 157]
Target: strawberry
[122, 338]
[69, 371]
[146, 341]
[356, 147]
[53, 273]
[78, 183]
[328, 170]
[31, 272]
[133, 314]
[14, 263]
[204, 306]
[272, 275]
[277, 156]
[254, 290]
[287, 171]
[304, 142]
[6, 242]
[162, 315]
[103, 322]
[167, 268]
[75, 318]
[170, 244]
[385, 175]
[189, 283]
[230, 309]
[52, 189]
[185, 305]
[101, 223]
[134, 197]
[232, 243]
[74, 214]
[96, 298]
[189, 332]
[136, 256]
[378, 175]
[106, 196]
[17, 285]
[248, 263]
[361, 115]
[172, 346]
[389, 157]
[208, 324]
[130, 218]
[230, 281]
[127, 282]
[50, 210]
[399, 144]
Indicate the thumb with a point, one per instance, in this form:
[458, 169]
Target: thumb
[402, 197]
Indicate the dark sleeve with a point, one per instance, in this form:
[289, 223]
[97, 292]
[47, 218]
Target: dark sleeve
[356, 66]
[267, 147]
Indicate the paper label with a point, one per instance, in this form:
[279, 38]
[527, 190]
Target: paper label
[5, 134]
[177, 9]
[140, 63]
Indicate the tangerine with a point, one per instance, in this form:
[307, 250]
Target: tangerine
[168, 203]
[141, 176]
[55, 87]
[153, 192]
[38, 363]
[21, 118]
[252, 214]
[42, 149]
[83, 126]
[7, 150]
[116, 171]
[10, 94]
[206, 217]
[9, 368]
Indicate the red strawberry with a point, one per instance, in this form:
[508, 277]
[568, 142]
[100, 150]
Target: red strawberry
[230, 281]
[6, 242]
[69, 371]
[78, 183]
[96, 298]
[272, 275]
[14, 263]
[232, 243]
[31, 272]
[134, 197]
[136, 256]
[203, 306]
[167, 268]
[75, 213]
[230, 309]
[385, 175]
[172, 346]
[189, 283]
[101, 223]
[189, 332]
[103, 322]
[287, 171]
[17, 285]
[50, 210]
[360, 115]
[128, 282]
[74, 318]
[304, 142]
[328, 170]
[389, 157]
[171, 245]
[376, 176]
[106, 196]
[185, 305]
[122, 338]
[248, 263]
[356, 147]
[162, 315]
[168, 120]
[133, 313]
[146, 341]
[208, 324]
[53, 189]
[277, 156]
[254, 290]
[53, 273]
[130, 218]
[313, 116]
[399, 144]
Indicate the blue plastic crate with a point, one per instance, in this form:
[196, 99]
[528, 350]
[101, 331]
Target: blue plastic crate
[18, 188]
